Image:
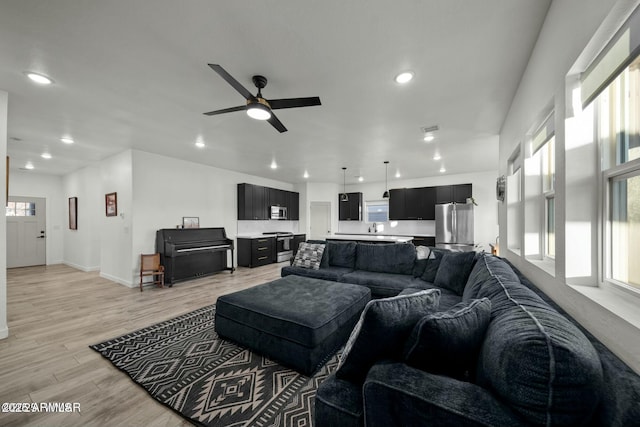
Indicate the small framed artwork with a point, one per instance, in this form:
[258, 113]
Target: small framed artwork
[73, 213]
[190, 222]
[111, 204]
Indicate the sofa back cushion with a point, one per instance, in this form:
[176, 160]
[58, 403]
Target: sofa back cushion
[454, 270]
[433, 263]
[534, 358]
[396, 258]
[339, 254]
[380, 333]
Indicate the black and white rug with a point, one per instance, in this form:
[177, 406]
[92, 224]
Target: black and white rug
[183, 364]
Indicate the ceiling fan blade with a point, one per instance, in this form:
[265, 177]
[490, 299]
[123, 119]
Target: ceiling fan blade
[233, 82]
[276, 123]
[226, 110]
[277, 104]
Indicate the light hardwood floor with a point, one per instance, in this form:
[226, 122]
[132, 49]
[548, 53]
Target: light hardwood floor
[56, 312]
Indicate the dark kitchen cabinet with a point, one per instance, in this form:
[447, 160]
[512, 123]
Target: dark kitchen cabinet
[396, 203]
[462, 192]
[256, 252]
[412, 203]
[255, 201]
[251, 202]
[424, 241]
[351, 210]
[293, 205]
[453, 193]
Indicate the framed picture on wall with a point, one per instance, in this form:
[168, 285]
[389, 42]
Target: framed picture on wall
[190, 222]
[73, 213]
[111, 204]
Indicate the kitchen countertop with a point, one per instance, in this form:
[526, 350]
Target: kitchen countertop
[370, 238]
[384, 234]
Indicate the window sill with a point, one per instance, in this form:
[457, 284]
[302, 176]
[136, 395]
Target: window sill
[622, 304]
[547, 265]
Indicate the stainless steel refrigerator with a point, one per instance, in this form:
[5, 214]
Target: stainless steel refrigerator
[454, 226]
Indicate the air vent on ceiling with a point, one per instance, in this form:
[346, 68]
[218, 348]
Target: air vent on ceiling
[427, 129]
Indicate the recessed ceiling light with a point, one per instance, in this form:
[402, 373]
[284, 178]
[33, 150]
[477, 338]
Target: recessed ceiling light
[398, 174]
[360, 179]
[67, 140]
[442, 169]
[199, 144]
[274, 165]
[306, 174]
[404, 77]
[29, 166]
[45, 155]
[41, 79]
[429, 137]
[436, 156]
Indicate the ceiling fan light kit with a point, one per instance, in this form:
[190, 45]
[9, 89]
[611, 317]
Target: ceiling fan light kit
[258, 107]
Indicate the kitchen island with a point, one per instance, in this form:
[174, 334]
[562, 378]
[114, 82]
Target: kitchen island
[370, 238]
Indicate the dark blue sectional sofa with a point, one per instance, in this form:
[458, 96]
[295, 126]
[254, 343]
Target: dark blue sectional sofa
[534, 365]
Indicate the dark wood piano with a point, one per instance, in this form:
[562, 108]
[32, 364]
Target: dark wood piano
[187, 253]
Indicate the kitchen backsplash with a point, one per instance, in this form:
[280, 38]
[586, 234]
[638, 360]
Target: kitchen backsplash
[252, 227]
[407, 228]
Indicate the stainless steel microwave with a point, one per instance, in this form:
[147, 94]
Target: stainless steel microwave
[278, 212]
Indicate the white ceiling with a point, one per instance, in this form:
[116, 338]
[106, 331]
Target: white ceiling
[134, 74]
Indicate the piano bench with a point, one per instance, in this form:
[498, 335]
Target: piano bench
[297, 321]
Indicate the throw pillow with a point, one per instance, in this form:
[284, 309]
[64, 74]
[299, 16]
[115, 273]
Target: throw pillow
[422, 257]
[383, 327]
[432, 264]
[309, 255]
[454, 271]
[449, 342]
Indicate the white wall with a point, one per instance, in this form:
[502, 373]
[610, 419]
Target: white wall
[4, 330]
[30, 184]
[567, 30]
[82, 246]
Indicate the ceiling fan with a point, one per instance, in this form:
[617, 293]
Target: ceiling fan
[258, 107]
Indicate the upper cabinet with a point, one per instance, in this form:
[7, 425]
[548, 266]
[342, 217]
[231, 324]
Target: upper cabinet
[419, 203]
[351, 210]
[255, 201]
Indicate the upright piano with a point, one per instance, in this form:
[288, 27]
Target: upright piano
[187, 253]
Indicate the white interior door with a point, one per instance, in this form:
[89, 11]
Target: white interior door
[320, 220]
[26, 233]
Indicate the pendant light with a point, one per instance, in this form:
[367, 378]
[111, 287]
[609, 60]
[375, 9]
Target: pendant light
[385, 195]
[344, 197]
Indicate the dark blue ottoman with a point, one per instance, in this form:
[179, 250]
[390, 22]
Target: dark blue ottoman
[297, 321]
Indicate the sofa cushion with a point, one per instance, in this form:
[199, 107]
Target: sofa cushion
[381, 284]
[534, 358]
[480, 274]
[448, 342]
[383, 327]
[454, 270]
[433, 262]
[329, 273]
[395, 258]
[309, 255]
[422, 256]
[340, 254]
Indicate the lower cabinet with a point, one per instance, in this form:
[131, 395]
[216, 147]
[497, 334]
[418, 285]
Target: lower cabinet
[256, 252]
[297, 239]
[424, 241]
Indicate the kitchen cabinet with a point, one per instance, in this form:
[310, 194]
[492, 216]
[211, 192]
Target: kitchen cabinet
[251, 202]
[396, 203]
[412, 203]
[351, 210]
[293, 206]
[453, 193]
[424, 241]
[255, 201]
[256, 252]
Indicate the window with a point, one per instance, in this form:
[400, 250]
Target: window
[514, 200]
[546, 146]
[377, 211]
[21, 209]
[618, 127]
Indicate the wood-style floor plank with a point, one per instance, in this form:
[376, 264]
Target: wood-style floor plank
[56, 312]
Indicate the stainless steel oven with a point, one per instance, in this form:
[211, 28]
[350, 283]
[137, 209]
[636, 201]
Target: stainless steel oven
[284, 240]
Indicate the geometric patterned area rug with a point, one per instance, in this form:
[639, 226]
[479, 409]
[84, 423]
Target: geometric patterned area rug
[183, 364]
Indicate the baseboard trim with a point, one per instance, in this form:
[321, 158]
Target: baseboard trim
[81, 267]
[117, 280]
[4, 333]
